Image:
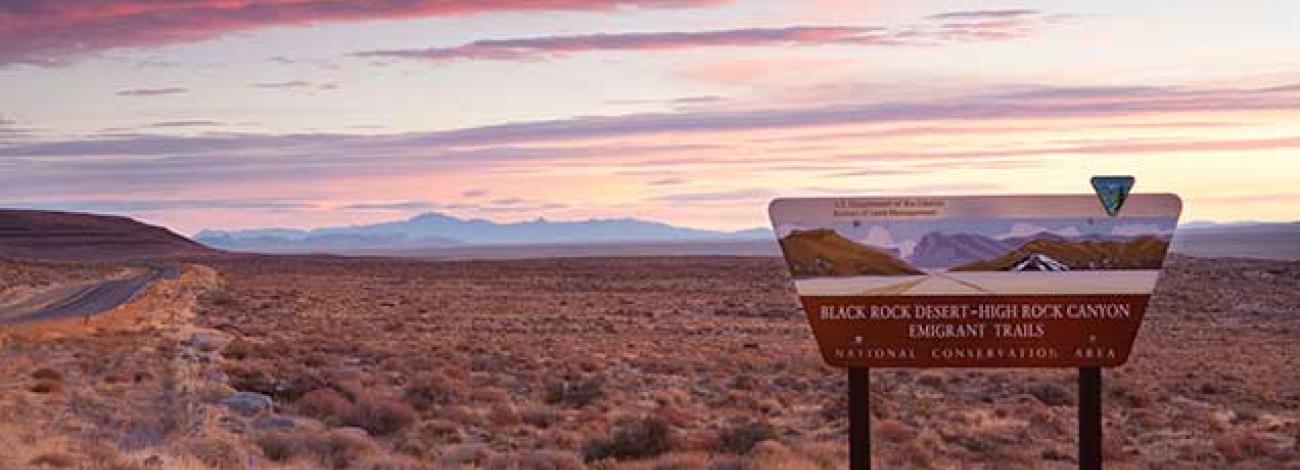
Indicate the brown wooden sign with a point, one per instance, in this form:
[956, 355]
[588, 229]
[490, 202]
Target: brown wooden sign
[998, 281]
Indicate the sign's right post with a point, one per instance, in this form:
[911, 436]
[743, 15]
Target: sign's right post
[1112, 191]
[1090, 418]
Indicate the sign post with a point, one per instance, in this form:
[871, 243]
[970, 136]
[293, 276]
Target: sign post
[977, 281]
[1090, 418]
[859, 418]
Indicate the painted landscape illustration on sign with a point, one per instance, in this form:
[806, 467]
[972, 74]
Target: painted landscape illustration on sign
[972, 256]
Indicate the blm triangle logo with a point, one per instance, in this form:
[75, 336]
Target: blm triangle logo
[1112, 190]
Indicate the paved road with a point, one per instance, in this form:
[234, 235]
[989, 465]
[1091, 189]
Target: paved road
[98, 298]
[937, 282]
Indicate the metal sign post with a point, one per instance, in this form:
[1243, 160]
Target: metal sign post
[977, 281]
[1089, 418]
[859, 418]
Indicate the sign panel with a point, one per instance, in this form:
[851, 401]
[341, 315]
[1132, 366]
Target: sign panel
[975, 281]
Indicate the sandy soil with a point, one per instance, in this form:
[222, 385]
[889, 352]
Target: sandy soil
[633, 363]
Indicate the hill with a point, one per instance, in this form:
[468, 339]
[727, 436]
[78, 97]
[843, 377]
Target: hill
[435, 230]
[1137, 253]
[33, 234]
[823, 252]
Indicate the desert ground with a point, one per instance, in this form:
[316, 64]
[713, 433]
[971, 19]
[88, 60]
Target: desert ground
[637, 363]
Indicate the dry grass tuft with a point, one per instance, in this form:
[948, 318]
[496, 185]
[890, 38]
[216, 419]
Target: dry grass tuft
[325, 404]
[55, 460]
[740, 438]
[380, 415]
[432, 390]
[632, 440]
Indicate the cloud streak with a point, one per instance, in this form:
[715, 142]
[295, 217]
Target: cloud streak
[1011, 23]
[1041, 103]
[158, 205]
[293, 85]
[153, 91]
[170, 162]
[52, 32]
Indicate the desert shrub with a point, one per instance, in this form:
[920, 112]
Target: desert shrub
[535, 460]
[1131, 395]
[220, 298]
[106, 457]
[251, 377]
[1240, 446]
[430, 390]
[387, 462]
[893, 430]
[284, 446]
[1051, 394]
[239, 349]
[343, 449]
[743, 381]
[503, 414]
[539, 417]
[293, 388]
[465, 456]
[47, 386]
[635, 439]
[575, 394]
[216, 454]
[380, 415]
[337, 449]
[740, 438]
[55, 460]
[425, 438]
[46, 373]
[324, 404]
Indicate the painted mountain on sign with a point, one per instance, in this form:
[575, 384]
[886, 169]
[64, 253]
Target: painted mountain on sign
[942, 250]
[1146, 252]
[823, 252]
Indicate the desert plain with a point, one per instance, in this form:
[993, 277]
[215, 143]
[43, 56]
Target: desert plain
[701, 362]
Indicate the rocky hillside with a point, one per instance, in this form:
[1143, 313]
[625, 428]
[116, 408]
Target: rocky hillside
[823, 252]
[1138, 253]
[74, 236]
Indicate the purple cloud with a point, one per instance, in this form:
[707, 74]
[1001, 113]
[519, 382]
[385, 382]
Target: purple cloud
[984, 14]
[180, 161]
[153, 91]
[550, 47]
[189, 123]
[51, 32]
[294, 84]
[667, 182]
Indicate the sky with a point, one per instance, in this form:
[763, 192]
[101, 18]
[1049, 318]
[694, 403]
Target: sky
[233, 114]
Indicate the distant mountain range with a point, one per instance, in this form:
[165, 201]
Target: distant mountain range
[823, 252]
[435, 230]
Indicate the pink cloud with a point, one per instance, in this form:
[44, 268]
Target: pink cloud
[542, 48]
[49, 32]
[933, 31]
